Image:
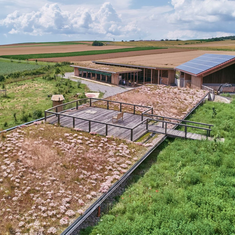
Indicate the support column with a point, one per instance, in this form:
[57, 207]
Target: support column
[158, 76]
[137, 77]
[106, 78]
[144, 77]
[95, 76]
[151, 76]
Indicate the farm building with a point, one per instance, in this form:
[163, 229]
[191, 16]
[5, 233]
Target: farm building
[212, 69]
[208, 69]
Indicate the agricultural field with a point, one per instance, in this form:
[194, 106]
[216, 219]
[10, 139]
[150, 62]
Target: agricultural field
[75, 59]
[7, 67]
[186, 186]
[26, 49]
[26, 100]
[82, 52]
[49, 176]
[171, 59]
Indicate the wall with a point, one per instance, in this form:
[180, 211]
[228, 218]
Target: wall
[196, 82]
[226, 75]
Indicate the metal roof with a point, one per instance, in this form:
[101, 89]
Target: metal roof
[204, 63]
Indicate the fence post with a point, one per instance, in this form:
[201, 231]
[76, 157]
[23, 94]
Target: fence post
[107, 104]
[162, 122]
[73, 122]
[98, 213]
[209, 131]
[147, 124]
[166, 128]
[106, 131]
[152, 111]
[90, 102]
[58, 120]
[134, 109]
[120, 107]
[77, 105]
[56, 109]
[185, 129]
[142, 117]
[131, 134]
[89, 126]
[45, 115]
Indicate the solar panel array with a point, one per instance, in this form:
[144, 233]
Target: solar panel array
[204, 63]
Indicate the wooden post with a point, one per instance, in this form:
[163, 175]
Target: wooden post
[98, 213]
[73, 122]
[89, 126]
[120, 107]
[166, 128]
[76, 104]
[90, 102]
[56, 109]
[147, 124]
[45, 115]
[185, 129]
[58, 122]
[106, 130]
[106, 78]
[107, 104]
[131, 134]
[134, 109]
[162, 122]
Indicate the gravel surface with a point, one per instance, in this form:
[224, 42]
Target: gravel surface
[107, 89]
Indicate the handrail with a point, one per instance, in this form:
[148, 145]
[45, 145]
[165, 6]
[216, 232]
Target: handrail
[180, 120]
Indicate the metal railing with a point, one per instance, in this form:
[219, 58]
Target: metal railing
[58, 111]
[211, 95]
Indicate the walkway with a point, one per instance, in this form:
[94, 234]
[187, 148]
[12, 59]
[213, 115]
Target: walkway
[107, 89]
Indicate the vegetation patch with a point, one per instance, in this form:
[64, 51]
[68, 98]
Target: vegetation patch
[186, 186]
[49, 175]
[7, 67]
[26, 100]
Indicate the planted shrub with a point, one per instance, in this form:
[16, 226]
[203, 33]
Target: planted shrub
[2, 78]
[37, 114]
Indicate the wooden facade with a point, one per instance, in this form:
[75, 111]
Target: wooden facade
[226, 75]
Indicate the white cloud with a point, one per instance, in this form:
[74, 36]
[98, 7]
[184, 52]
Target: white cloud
[50, 19]
[203, 15]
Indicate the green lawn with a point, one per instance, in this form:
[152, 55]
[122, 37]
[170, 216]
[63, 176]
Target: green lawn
[79, 53]
[185, 187]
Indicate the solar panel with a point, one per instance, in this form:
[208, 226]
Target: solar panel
[204, 63]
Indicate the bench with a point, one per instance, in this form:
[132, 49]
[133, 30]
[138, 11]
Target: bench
[117, 117]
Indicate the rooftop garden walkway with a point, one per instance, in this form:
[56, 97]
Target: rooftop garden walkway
[97, 116]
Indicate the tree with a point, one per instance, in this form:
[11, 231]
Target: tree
[2, 78]
[97, 43]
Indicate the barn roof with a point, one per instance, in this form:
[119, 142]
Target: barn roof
[205, 64]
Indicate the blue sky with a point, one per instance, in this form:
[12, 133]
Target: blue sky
[59, 20]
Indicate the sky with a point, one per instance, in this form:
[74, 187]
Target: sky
[74, 20]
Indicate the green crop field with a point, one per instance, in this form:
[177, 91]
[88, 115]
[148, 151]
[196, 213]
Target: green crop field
[185, 187]
[79, 53]
[7, 67]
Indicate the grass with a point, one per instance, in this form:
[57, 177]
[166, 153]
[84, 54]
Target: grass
[80, 53]
[185, 187]
[24, 98]
[7, 67]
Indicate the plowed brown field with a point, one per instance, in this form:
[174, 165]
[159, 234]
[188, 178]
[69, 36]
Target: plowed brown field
[40, 49]
[75, 59]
